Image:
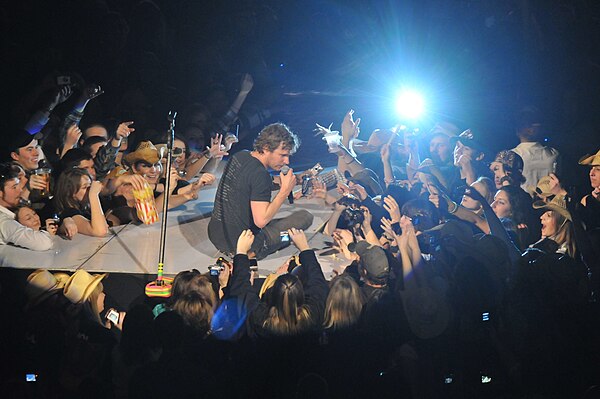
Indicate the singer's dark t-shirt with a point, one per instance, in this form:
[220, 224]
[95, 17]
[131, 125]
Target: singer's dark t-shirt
[244, 179]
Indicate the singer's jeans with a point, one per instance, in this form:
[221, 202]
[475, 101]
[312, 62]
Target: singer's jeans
[268, 240]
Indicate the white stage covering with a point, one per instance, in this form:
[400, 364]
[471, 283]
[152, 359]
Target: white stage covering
[134, 248]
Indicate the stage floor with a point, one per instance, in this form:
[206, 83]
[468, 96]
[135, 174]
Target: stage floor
[134, 248]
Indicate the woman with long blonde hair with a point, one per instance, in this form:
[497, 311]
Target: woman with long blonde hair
[291, 307]
[344, 303]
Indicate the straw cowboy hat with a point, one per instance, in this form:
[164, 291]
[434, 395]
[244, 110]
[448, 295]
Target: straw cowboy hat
[544, 187]
[592, 160]
[145, 151]
[40, 285]
[558, 204]
[81, 285]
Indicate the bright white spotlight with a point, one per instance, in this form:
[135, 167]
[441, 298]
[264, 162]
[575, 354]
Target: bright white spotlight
[410, 104]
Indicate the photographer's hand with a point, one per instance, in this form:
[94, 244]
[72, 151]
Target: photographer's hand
[299, 239]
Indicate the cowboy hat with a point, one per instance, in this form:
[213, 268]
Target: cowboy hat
[543, 188]
[145, 151]
[558, 204]
[592, 160]
[81, 285]
[40, 285]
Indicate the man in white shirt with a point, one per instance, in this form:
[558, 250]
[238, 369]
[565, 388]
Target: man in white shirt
[538, 159]
[11, 231]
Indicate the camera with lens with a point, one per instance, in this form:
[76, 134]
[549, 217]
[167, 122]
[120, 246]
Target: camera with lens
[351, 216]
[218, 266]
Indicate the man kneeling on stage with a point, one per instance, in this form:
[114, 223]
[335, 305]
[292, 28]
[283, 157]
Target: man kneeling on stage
[243, 199]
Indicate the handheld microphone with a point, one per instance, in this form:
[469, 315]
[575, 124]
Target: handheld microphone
[285, 170]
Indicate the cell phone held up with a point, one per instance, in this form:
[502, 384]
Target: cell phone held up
[113, 316]
[284, 236]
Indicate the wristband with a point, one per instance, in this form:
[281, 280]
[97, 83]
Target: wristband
[455, 208]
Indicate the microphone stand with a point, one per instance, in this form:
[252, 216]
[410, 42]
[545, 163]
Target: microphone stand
[161, 287]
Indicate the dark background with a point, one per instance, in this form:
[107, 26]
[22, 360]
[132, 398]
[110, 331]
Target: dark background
[477, 62]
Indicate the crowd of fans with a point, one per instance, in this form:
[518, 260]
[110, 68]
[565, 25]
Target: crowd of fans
[465, 274]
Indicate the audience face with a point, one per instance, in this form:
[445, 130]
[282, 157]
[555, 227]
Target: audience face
[84, 185]
[95, 147]
[88, 165]
[469, 202]
[440, 149]
[179, 161]
[10, 195]
[595, 176]
[549, 227]
[498, 170]
[462, 150]
[501, 205]
[277, 159]
[95, 131]
[150, 172]
[29, 218]
[100, 301]
[22, 176]
[28, 156]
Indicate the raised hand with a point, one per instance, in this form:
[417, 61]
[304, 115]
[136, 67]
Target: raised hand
[173, 178]
[216, 149]
[95, 188]
[224, 274]
[464, 160]
[51, 226]
[247, 83]
[350, 127]
[319, 189]
[342, 238]
[368, 217]
[386, 226]
[358, 190]
[299, 239]
[73, 135]
[61, 94]
[391, 206]
[91, 91]
[244, 242]
[123, 130]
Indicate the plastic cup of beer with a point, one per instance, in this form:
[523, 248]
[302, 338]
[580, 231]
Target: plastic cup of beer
[44, 173]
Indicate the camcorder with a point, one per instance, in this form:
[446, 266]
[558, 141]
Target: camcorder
[218, 266]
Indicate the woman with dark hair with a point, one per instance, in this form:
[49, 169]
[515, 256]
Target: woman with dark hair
[77, 197]
[291, 308]
[511, 205]
[507, 169]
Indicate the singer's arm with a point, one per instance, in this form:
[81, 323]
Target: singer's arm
[262, 211]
